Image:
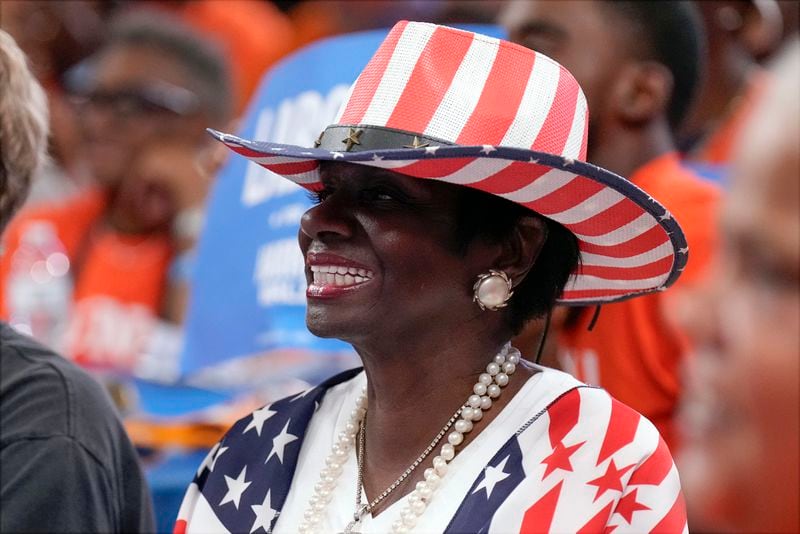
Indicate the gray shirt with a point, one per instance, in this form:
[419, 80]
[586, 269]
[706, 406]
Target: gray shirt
[66, 464]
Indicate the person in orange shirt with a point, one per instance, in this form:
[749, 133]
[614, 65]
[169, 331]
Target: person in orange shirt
[145, 100]
[738, 33]
[638, 63]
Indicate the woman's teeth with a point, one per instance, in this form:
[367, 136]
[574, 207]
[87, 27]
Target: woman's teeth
[339, 275]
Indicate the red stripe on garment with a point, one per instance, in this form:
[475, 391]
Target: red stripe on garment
[645, 242]
[621, 429]
[502, 93]
[642, 272]
[597, 524]
[608, 220]
[566, 197]
[555, 129]
[539, 517]
[675, 520]
[429, 81]
[371, 77]
[515, 176]
[563, 416]
[180, 527]
[655, 469]
[288, 169]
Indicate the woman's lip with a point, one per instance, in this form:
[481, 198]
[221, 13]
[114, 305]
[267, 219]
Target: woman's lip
[326, 291]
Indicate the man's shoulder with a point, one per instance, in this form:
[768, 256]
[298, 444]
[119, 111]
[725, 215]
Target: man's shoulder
[676, 185]
[44, 395]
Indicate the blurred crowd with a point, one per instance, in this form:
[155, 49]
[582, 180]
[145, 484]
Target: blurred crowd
[114, 215]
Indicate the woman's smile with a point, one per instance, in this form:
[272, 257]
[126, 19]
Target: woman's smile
[331, 276]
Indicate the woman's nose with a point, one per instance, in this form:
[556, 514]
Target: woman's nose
[330, 219]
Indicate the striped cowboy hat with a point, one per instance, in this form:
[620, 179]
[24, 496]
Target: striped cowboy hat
[451, 105]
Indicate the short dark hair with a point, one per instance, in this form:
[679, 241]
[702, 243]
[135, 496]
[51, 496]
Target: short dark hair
[204, 63]
[672, 34]
[494, 218]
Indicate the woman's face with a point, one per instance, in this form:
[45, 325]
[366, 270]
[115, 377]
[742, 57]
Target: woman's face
[741, 465]
[390, 239]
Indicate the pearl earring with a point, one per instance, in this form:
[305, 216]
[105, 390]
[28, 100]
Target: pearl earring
[492, 291]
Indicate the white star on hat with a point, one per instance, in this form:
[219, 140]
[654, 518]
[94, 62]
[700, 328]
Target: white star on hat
[280, 442]
[376, 157]
[431, 149]
[683, 250]
[492, 475]
[337, 155]
[264, 514]
[259, 416]
[667, 216]
[487, 149]
[236, 487]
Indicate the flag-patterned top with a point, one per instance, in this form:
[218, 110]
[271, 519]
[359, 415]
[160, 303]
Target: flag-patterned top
[572, 460]
[451, 105]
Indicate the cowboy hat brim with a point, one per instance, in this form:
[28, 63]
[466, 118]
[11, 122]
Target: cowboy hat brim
[629, 243]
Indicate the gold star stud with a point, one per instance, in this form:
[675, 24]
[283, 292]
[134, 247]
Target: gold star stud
[352, 138]
[416, 143]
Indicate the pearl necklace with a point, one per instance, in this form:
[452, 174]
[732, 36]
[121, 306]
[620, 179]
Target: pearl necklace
[487, 387]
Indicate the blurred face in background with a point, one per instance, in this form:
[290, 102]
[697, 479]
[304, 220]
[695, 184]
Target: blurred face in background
[740, 465]
[134, 95]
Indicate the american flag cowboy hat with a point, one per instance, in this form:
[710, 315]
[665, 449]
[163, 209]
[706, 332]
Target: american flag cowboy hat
[446, 104]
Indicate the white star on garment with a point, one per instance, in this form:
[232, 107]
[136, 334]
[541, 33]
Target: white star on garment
[492, 475]
[487, 149]
[683, 250]
[667, 216]
[337, 155]
[208, 460]
[216, 457]
[259, 416]
[376, 157]
[431, 150]
[301, 394]
[264, 514]
[280, 442]
[236, 487]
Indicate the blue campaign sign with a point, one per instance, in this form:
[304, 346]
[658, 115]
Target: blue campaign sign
[249, 287]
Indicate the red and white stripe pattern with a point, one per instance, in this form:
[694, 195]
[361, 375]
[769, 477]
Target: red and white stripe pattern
[517, 122]
[469, 89]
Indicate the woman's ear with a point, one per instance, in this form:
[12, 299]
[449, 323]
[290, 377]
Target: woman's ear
[522, 248]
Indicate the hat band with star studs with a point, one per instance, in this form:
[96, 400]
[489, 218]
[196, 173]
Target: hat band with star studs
[362, 137]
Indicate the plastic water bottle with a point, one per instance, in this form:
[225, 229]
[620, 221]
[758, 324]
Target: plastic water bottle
[39, 288]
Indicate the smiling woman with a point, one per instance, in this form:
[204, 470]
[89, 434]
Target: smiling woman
[452, 206]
